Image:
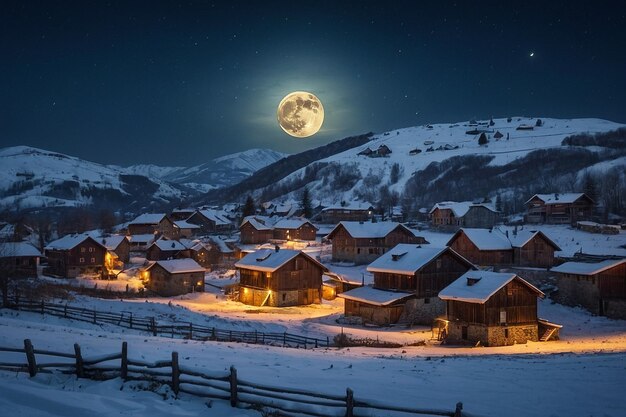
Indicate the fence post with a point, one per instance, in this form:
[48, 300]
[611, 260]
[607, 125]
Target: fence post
[43, 307]
[233, 386]
[30, 357]
[153, 324]
[327, 342]
[458, 412]
[79, 361]
[124, 368]
[131, 320]
[213, 336]
[284, 339]
[65, 311]
[175, 373]
[190, 330]
[349, 403]
[94, 316]
[316, 342]
[256, 337]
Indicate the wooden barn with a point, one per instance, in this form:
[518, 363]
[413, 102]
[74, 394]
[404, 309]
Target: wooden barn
[174, 277]
[75, 255]
[152, 223]
[452, 215]
[353, 211]
[490, 308]
[294, 229]
[532, 248]
[566, 208]
[279, 278]
[599, 287]
[211, 221]
[362, 242]
[181, 214]
[18, 260]
[413, 275]
[164, 249]
[254, 231]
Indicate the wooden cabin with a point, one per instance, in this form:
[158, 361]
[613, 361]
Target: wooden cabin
[151, 223]
[413, 275]
[179, 214]
[211, 221]
[383, 150]
[599, 287]
[185, 229]
[205, 254]
[279, 278]
[366, 152]
[532, 248]
[452, 215]
[254, 231]
[362, 243]
[295, 229]
[164, 249]
[117, 244]
[141, 243]
[75, 255]
[491, 309]
[354, 211]
[566, 208]
[174, 277]
[18, 260]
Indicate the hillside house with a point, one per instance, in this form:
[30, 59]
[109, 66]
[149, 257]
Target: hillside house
[254, 231]
[599, 287]
[75, 255]
[294, 229]
[567, 208]
[490, 308]
[185, 229]
[19, 260]
[181, 214]
[353, 211]
[174, 277]
[362, 243]
[407, 280]
[205, 254]
[119, 245]
[164, 249]
[366, 152]
[279, 278]
[452, 215]
[151, 223]
[211, 221]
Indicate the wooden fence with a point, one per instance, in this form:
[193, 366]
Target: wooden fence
[227, 386]
[186, 330]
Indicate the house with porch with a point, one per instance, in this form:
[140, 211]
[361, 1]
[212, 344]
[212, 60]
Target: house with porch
[253, 230]
[174, 277]
[452, 215]
[19, 260]
[565, 208]
[153, 223]
[75, 255]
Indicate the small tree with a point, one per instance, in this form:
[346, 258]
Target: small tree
[482, 139]
[305, 203]
[539, 123]
[499, 202]
[248, 208]
[394, 175]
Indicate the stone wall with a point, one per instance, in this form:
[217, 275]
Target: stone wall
[578, 291]
[418, 311]
[615, 309]
[491, 336]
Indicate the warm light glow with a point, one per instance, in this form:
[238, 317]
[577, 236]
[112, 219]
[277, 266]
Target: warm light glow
[268, 274]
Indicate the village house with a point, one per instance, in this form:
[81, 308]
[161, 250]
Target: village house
[599, 287]
[353, 211]
[491, 309]
[566, 208]
[141, 243]
[492, 247]
[118, 245]
[211, 221]
[205, 254]
[181, 214]
[407, 280]
[254, 231]
[452, 215]
[185, 229]
[75, 255]
[362, 243]
[294, 229]
[150, 223]
[19, 260]
[174, 277]
[279, 278]
[164, 249]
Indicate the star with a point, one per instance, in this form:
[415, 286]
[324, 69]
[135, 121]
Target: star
[532, 54]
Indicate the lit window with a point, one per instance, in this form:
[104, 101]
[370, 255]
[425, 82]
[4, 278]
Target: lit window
[90, 249]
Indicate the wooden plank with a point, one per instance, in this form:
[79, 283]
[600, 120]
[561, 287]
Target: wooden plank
[233, 386]
[175, 373]
[79, 361]
[124, 364]
[30, 357]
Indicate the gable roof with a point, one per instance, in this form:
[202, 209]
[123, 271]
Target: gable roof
[179, 266]
[460, 208]
[111, 242]
[368, 229]
[374, 296]
[254, 222]
[352, 205]
[148, 218]
[269, 260]
[169, 245]
[407, 259]
[524, 236]
[584, 268]
[215, 216]
[143, 238]
[484, 239]
[294, 223]
[71, 241]
[558, 198]
[18, 249]
[486, 284]
[183, 224]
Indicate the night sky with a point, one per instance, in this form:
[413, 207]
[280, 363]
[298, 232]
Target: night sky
[181, 83]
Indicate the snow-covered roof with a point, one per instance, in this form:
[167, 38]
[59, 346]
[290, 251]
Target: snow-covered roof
[352, 205]
[145, 238]
[368, 229]
[524, 236]
[584, 268]
[214, 215]
[485, 239]
[221, 244]
[269, 260]
[179, 266]
[255, 223]
[370, 295]
[148, 218]
[169, 245]
[292, 223]
[406, 259]
[557, 198]
[110, 242]
[460, 208]
[479, 286]
[183, 224]
[70, 241]
[18, 249]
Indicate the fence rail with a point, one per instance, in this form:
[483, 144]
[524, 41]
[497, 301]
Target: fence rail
[220, 386]
[187, 330]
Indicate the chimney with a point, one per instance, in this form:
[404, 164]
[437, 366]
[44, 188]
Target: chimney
[472, 281]
[173, 245]
[276, 248]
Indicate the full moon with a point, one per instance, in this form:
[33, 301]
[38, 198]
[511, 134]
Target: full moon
[300, 114]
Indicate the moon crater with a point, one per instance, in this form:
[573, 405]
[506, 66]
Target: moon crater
[300, 114]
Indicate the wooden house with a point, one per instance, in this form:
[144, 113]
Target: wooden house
[452, 215]
[75, 255]
[366, 152]
[279, 278]
[211, 221]
[383, 150]
[532, 248]
[141, 243]
[407, 280]
[353, 211]
[151, 223]
[174, 277]
[185, 229]
[117, 244]
[254, 231]
[362, 243]
[205, 254]
[599, 287]
[490, 308]
[294, 229]
[18, 260]
[164, 249]
[498, 135]
[566, 208]
[181, 214]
